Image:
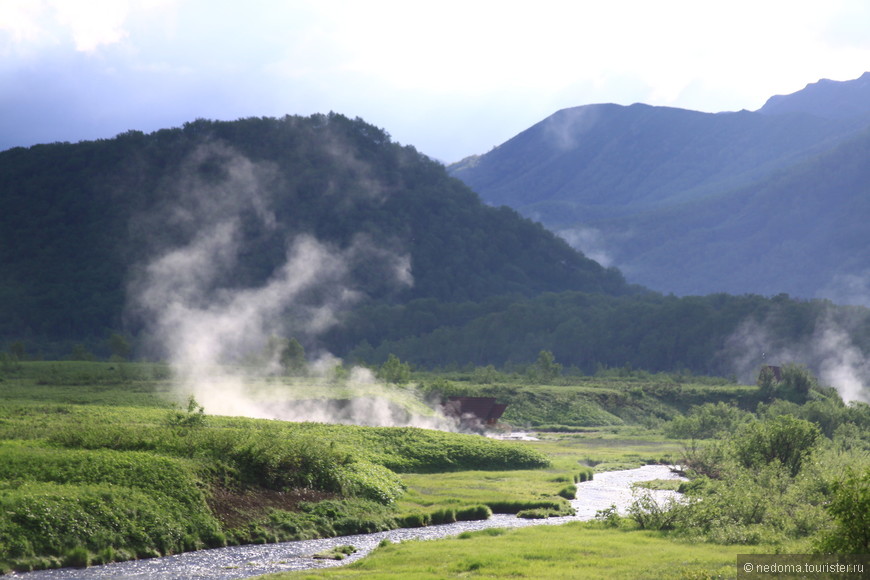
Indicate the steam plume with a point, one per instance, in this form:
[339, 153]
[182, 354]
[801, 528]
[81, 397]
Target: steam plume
[829, 352]
[211, 327]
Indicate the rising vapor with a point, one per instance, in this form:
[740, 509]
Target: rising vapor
[214, 329]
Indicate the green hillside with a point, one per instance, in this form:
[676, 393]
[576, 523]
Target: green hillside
[81, 221]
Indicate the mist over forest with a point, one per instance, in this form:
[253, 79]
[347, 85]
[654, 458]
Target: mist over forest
[203, 242]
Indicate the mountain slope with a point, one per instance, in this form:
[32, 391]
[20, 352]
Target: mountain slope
[231, 204]
[600, 161]
[695, 203]
[800, 231]
[825, 98]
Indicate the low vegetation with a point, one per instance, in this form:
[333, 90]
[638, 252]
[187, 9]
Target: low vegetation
[137, 475]
[101, 462]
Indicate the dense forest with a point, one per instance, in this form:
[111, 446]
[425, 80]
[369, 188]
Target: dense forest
[409, 261]
[79, 220]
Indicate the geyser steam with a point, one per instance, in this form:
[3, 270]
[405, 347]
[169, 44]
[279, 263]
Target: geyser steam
[829, 352]
[210, 327]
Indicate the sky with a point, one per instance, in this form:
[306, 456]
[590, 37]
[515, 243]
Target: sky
[452, 78]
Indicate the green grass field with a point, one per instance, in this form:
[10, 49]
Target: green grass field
[103, 462]
[576, 550]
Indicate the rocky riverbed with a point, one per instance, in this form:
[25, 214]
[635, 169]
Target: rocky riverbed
[606, 489]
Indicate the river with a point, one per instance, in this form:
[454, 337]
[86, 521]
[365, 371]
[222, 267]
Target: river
[606, 489]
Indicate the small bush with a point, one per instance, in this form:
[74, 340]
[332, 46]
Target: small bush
[585, 474]
[443, 516]
[77, 557]
[568, 492]
[472, 513]
[415, 520]
[609, 517]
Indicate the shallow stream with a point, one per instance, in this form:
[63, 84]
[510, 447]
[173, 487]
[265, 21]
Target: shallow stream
[606, 489]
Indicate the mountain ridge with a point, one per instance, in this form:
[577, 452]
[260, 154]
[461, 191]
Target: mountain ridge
[617, 168]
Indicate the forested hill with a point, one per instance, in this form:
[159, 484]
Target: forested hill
[80, 222]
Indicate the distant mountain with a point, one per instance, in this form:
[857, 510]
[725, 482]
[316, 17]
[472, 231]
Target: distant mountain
[802, 231]
[696, 203]
[81, 224]
[825, 98]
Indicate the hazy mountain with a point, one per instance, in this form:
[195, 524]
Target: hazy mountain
[825, 98]
[233, 207]
[688, 202]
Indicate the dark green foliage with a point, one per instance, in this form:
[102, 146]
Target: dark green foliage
[394, 371]
[553, 507]
[585, 474]
[327, 519]
[594, 333]
[472, 513]
[784, 439]
[546, 511]
[850, 507]
[336, 553]
[707, 421]
[443, 516]
[568, 492]
[545, 369]
[76, 216]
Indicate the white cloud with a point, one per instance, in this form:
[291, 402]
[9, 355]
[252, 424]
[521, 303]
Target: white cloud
[452, 78]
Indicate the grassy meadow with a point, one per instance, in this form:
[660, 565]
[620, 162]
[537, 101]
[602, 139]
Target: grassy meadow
[104, 462]
[575, 550]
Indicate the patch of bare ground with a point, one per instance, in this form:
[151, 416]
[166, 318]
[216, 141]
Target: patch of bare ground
[238, 508]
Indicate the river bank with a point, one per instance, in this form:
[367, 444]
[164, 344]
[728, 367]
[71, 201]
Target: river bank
[606, 489]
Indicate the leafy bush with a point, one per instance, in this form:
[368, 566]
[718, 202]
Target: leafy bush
[609, 517]
[568, 492]
[585, 474]
[649, 514]
[850, 507]
[473, 513]
[707, 421]
[783, 439]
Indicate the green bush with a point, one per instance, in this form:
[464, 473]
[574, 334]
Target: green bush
[50, 519]
[568, 492]
[850, 507]
[473, 513]
[782, 439]
[585, 474]
[707, 421]
[443, 516]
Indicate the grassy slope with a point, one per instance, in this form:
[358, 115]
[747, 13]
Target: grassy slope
[243, 480]
[123, 478]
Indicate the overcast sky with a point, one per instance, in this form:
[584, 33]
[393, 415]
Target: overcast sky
[452, 78]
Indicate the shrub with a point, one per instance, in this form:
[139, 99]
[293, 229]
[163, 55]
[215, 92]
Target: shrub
[609, 517]
[414, 520]
[850, 506]
[472, 513]
[783, 439]
[585, 474]
[77, 557]
[568, 492]
[652, 515]
[707, 421]
[443, 516]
